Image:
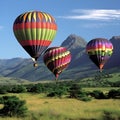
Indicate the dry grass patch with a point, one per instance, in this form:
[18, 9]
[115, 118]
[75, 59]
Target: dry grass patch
[72, 108]
[43, 108]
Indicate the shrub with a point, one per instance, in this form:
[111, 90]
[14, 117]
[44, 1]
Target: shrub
[77, 92]
[111, 115]
[3, 90]
[57, 91]
[13, 106]
[18, 89]
[37, 88]
[98, 94]
[114, 93]
[85, 98]
[55, 94]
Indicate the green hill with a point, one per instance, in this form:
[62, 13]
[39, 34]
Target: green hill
[12, 81]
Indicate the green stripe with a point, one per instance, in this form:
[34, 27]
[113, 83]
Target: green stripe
[35, 34]
[28, 34]
[38, 34]
[100, 52]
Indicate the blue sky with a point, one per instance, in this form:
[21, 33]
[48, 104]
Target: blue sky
[86, 18]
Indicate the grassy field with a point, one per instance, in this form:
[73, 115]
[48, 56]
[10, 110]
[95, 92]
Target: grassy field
[41, 107]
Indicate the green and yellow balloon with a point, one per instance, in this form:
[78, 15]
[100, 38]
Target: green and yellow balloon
[35, 31]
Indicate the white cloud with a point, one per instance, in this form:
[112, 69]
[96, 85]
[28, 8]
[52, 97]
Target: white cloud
[98, 25]
[94, 25]
[94, 14]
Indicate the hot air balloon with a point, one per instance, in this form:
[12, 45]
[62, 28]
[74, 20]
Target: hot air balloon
[99, 51]
[35, 31]
[57, 59]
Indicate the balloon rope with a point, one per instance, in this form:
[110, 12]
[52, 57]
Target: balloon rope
[56, 78]
[33, 59]
[101, 70]
[34, 62]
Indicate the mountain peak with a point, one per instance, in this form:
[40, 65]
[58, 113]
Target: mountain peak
[116, 42]
[115, 38]
[115, 58]
[73, 41]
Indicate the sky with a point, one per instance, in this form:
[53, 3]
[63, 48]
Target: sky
[86, 18]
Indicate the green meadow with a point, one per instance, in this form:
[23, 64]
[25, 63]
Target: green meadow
[41, 107]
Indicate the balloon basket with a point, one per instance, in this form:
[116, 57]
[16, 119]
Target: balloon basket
[35, 65]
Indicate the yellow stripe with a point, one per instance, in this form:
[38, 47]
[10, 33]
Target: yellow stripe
[60, 66]
[34, 16]
[29, 16]
[49, 17]
[58, 56]
[45, 15]
[107, 49]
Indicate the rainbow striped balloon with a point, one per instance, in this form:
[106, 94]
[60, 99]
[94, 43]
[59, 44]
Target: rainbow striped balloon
[57, 59]
[99, 51]
[35, 31]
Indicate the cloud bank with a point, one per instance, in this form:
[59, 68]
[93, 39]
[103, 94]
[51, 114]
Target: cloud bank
[93, 14]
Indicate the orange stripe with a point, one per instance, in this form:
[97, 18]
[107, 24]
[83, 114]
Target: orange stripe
[28, 25]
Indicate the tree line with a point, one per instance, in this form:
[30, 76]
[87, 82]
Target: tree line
[69, 89]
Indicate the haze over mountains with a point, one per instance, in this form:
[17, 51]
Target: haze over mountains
[80, 66]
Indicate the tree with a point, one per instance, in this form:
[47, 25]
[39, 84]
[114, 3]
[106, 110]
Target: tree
[75, 90]
[98, 94]
[13, 106]
[56, 92]
[37, 88]
[3, 90]
[114, 93]
[19, 89]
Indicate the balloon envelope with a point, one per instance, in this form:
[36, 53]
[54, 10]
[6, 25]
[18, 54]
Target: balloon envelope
[35, 31]
[99, 51]
[57, 59]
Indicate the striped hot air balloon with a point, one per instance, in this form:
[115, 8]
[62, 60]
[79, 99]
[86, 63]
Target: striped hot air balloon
[57, 59]
[99, 51]
[35, 31]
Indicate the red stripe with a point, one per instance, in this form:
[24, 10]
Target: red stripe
[31, 25]
[35, 42]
